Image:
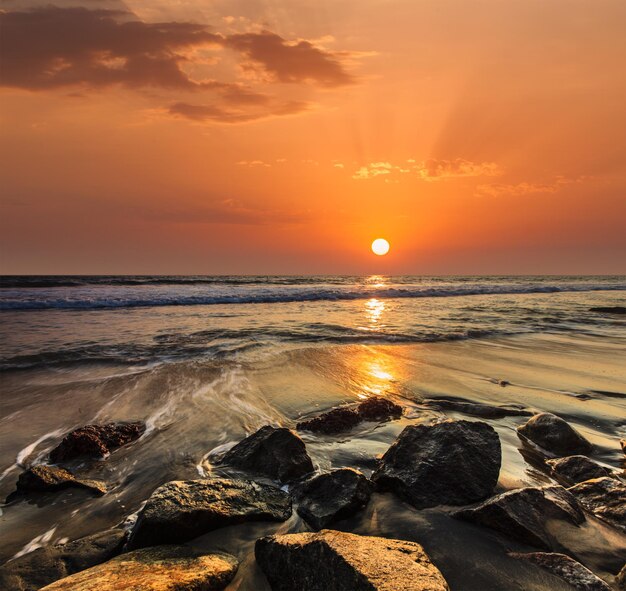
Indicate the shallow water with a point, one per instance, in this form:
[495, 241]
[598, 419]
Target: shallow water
[204, 375]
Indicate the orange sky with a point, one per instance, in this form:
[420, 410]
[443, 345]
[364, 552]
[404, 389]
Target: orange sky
[240, 136]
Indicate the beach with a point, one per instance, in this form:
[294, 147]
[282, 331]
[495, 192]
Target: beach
[204, 362]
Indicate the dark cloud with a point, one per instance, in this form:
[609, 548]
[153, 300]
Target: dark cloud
[290, 62]
[221, 114]
[52, 47]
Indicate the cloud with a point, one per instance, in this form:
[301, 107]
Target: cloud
[429, 170]
[221, 114]
[51, 47]
[524, 188]
[291, 62]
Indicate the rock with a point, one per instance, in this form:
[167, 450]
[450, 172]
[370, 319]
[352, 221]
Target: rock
[182, 510]
[568, 569]
[554, 435]
[96, 441]
[277, 453]
[523, 514]
[446, 463]
[337, 420]
[622, 443]
[605, 497]
[338, 561]
[48, 564]
[164, 568]
[378, 408]
[334, 496]
[609, 309]
[574, 469]
[334, 421]
[43, 478]
[620, 579]
[476, 409]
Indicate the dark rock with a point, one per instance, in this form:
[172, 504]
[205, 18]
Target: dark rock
[334, 421]
[446, 463]
[182, 510]
[574, 469]
[378, 408]
[605, 497]
[165, 568]
[96, 441]
[338, 561]
[476, 409]
[43, 478]
[609, 309]
[277, 453]
[620, 579]
[333, 496]
[568, 569]
[554, 435]
[504, 383]
[622, 443]
[46, 565]
[523, 514]
[338, 420]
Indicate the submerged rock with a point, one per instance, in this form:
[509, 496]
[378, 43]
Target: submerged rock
[476, 409]
[164, 568]
[605, 497]
[609, 309]
[523, 514]
[446, 463]
[568, 569]
[277, 453]
[182, 510]
[574, 469]
[337, 420]
[338, 561]
[554, 435]
[43, 478]
[333, 496]
[334, 421]
[48, 564]
[96, 441]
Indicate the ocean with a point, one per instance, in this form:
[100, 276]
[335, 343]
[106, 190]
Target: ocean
[206, 360]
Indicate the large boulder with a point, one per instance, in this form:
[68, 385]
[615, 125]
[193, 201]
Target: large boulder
[525, 514]
[477, 409]
[574, 469]
[337, 420]
[566, 568]
[333, 496]
[338, 561]
[554, 435]
[182, 510]
[96, 441]
[43, 478]
[164, 568]
[446, 463]
[50, 563]
[605, 497]
[277, 453]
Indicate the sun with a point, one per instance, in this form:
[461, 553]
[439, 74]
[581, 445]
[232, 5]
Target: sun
[380, 246]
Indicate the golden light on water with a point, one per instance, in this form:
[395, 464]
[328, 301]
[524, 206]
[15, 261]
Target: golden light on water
[380, 246]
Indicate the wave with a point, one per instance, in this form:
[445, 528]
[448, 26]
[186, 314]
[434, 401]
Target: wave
[93, 299]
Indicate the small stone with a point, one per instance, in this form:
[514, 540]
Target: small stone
[574, 469]
[338, 561]
[182, 510]
[334, 496]
[277, 453]
[164, 568]
[522, 514]
[446, 463]
[604, 497]
[568, 569]
[50, 563]
[554, 435]
[96, 441]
